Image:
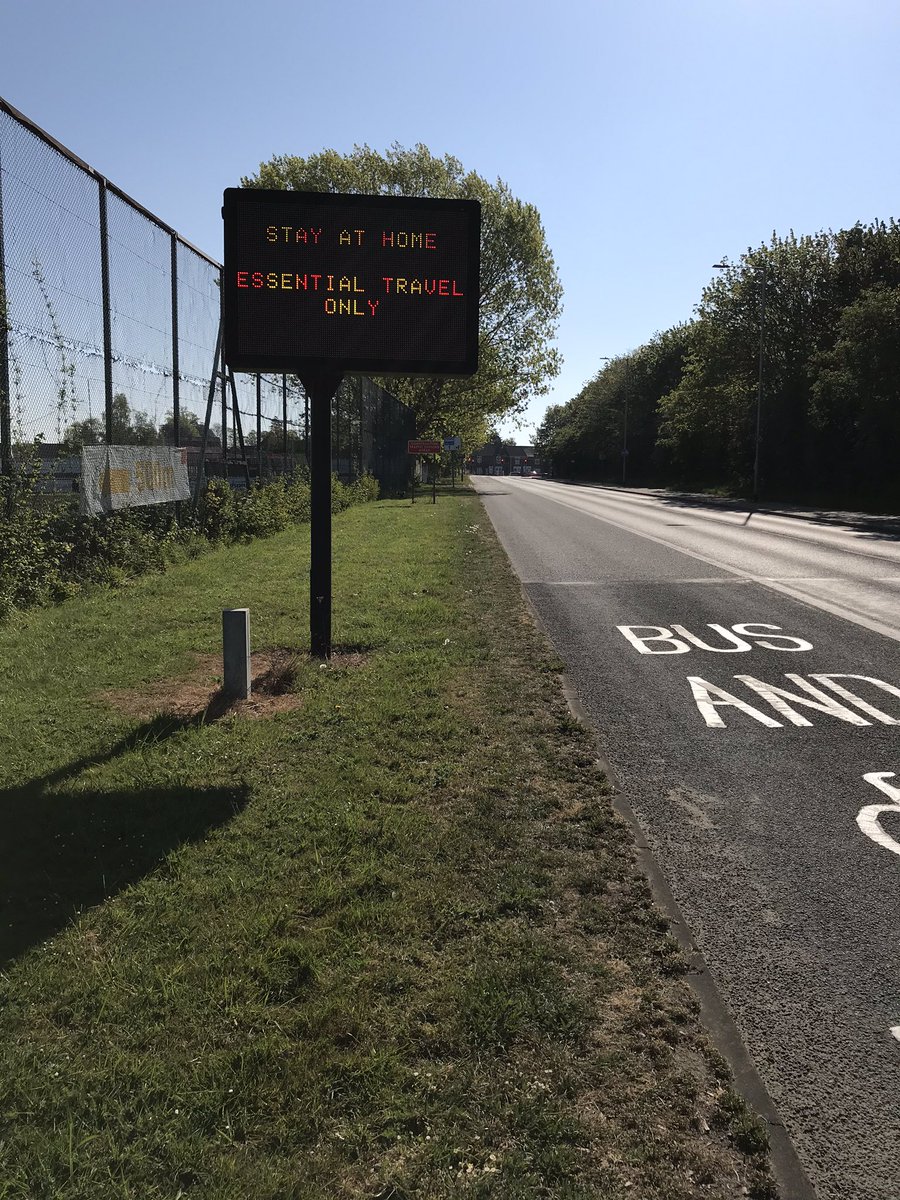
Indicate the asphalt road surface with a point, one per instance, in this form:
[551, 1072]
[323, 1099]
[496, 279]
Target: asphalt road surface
[742, 672]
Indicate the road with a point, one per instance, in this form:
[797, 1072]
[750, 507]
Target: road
[742, 672]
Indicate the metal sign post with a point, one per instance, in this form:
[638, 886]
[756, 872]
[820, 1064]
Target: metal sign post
[320, 388]
[323, 284]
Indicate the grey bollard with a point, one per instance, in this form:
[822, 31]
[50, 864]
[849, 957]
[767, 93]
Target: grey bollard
[236, 652]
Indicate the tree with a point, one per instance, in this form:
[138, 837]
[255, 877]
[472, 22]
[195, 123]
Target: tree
[520, 298]
[273, 439]
[89, 432]
[856, 393]
[130, 427]
[190, 428]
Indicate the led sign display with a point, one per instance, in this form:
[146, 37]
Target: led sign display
[377, 284]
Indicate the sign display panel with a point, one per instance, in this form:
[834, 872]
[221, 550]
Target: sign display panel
[327, 281]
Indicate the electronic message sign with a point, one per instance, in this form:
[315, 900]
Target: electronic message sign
[321, 281]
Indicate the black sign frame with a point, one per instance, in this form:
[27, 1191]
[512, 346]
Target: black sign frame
[290, 209]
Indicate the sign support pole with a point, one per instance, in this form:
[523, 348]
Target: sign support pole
[320, 388]
[198, 482]
[238, 427]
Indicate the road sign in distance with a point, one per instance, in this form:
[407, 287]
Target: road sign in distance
[413, 447]
[321, 281]
[452, 443]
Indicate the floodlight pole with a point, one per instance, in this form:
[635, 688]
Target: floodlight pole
[320, 387]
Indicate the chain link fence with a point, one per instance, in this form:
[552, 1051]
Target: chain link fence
[108, 330]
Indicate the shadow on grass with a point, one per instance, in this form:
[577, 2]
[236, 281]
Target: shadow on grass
[65, 850]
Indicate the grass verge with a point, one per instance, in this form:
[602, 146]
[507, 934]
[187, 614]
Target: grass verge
[387, 943]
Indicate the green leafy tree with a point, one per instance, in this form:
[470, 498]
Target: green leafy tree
[520, 298]
[190, 428]
[273, 439]
[830, 412]
[89, 432]
[130, 427]
[856, 394]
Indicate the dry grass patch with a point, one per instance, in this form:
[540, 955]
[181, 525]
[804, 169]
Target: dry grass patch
[198, 695]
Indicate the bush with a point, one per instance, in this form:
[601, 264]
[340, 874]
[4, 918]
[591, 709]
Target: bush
[30, 556]
[110, 548]
[46, 555]
[217, 511]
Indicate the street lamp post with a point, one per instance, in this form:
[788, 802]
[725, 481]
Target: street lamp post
[606, 360]
[722, 266]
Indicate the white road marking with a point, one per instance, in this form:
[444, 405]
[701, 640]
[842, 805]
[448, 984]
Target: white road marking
[867, 818]
[710, 696]
[829, 681]
[829, 606]
[758, 630]
[748, 631]
[778, 698]
[704, 692]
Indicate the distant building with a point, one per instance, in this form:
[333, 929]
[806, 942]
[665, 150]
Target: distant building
[499, 458]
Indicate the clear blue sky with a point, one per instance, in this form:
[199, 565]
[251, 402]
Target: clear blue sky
[654, 136]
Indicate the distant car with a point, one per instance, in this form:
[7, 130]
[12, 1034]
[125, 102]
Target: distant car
[534, 475]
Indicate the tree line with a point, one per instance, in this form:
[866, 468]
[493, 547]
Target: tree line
[133, 427]
[828, 306]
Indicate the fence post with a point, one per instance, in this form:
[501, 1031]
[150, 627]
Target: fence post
[5, 405]
[107, 315]
[176, 396]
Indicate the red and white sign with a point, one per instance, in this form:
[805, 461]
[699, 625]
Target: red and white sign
[413, 447]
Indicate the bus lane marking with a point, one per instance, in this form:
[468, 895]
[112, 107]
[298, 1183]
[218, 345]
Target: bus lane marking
[709, 697]
[742, 638]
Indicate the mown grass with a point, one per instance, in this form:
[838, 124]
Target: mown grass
[391, 944]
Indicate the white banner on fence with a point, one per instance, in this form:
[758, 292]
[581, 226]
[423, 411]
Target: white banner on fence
[114, 477]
